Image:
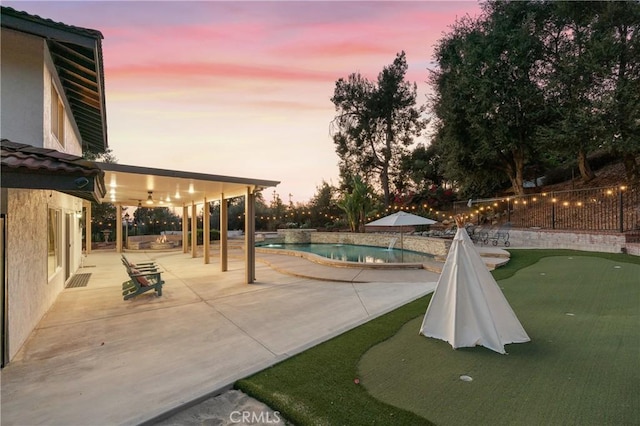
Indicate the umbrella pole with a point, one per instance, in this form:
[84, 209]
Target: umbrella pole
[401, 246]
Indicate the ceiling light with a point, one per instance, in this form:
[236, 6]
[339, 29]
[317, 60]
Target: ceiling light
[150, 198]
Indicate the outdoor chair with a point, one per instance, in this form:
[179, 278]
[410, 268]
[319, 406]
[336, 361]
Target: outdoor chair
[502, 233]
[141, 282]
[140, 265]
[477, 234]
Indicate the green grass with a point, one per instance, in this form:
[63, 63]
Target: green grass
[581, 369]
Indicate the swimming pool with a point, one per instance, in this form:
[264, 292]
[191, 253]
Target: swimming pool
[355, 253]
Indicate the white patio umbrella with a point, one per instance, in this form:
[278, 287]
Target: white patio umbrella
[401, 219]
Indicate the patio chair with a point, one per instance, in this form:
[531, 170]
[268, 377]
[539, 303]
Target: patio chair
[141, 282]
[502, 233]
[140, 265]
[477, 234]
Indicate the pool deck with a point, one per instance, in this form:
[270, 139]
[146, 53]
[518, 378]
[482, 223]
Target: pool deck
[96, 359]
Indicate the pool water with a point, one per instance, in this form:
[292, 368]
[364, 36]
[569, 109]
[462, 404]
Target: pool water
[354, 253]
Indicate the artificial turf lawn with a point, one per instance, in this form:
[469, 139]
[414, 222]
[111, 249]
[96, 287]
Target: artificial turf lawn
[578, 369]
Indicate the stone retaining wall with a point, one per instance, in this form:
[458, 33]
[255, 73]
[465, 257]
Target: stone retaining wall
[140, 242]
[525, 238]
[543, 238]
[435, 246]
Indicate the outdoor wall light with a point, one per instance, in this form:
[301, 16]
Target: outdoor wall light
[81, 182]
[150, 198]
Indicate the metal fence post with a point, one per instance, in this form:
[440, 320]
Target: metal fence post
[621, 204]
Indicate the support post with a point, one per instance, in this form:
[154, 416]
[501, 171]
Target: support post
[119, 228]
[206, 233]
[194, 229]
[224, 225]
[249, 236]
[185, 229]
[621, 211]
[87, 227]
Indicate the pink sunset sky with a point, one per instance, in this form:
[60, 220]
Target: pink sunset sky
[243, 88]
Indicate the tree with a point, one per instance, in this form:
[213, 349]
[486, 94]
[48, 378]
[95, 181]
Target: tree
[102, 214]
[375, 123]
[106, 157]
[356, 204]
[572, 77]
[154, 220]
[488, 104]
[323, 206]
[422, 167]
[621, 22]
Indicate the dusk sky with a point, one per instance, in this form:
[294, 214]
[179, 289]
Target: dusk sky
[243, 88]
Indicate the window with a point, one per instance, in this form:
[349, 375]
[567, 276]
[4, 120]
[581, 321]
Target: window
[57, 116]
[54, 229]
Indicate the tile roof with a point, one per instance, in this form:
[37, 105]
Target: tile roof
[50, 22]
[29, 159]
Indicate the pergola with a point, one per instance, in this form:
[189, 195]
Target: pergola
[149, 187]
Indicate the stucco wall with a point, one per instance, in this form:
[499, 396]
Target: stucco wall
[22, 87]
[435, 246]
[31, 291]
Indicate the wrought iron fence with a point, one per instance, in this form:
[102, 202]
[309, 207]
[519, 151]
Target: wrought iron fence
[597, 209]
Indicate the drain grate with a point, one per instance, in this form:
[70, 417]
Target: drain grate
[79, 280]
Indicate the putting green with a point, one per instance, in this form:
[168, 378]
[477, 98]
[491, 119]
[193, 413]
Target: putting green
[582, 314]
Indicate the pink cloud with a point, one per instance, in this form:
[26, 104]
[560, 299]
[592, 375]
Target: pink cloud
[182, 71]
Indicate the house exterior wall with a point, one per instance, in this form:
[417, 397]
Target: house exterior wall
[27, 77]
[31, 291]
[22, 86]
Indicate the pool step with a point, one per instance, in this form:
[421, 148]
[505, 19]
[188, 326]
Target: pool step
[493, 257]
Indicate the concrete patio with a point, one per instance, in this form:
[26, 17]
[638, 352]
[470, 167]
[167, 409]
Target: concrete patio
[96, 359]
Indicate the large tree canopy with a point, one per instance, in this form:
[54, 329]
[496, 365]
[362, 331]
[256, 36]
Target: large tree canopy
[487, 102]
[375, 123]
[534, 81]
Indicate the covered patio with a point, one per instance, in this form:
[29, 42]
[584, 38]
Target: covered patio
[145, 187]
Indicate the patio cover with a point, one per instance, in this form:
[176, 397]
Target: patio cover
[467, 307]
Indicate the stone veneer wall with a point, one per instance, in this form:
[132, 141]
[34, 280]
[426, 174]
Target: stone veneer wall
[435, 246]
[296, 236]
[602, 242]
[543, 238]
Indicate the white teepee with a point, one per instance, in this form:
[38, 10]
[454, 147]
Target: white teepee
[467, 307]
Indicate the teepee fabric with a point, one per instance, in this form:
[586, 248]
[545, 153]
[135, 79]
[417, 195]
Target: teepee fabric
[467, 307]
